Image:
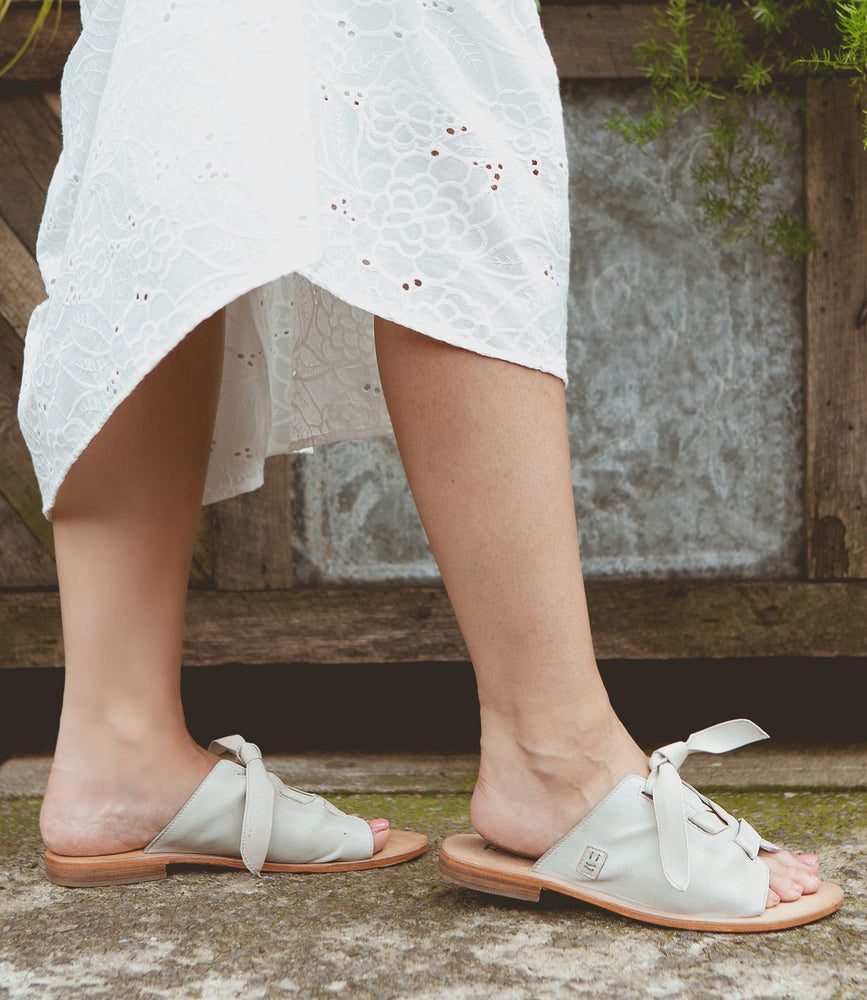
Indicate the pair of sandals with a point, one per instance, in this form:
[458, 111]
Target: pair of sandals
[654, 849]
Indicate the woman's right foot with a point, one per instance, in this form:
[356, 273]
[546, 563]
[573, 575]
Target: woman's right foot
[108, 796]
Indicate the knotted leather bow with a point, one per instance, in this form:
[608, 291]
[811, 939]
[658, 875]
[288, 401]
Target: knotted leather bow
[259, 801]
[666, 788]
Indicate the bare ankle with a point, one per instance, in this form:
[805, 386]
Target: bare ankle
[110, 792]
[534, 788]
[551, 738]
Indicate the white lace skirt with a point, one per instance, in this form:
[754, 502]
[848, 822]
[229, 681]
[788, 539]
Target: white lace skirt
[309, 163]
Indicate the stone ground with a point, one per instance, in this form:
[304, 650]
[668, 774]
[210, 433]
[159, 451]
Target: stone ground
[402, 932]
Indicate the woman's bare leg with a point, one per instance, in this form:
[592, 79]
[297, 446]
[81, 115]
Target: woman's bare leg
[125, 527]
[485, 448]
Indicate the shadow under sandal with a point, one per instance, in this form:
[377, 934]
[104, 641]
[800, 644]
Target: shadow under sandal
[656, 850]
[242, 816]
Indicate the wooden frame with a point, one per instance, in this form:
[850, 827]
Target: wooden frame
[242, 575]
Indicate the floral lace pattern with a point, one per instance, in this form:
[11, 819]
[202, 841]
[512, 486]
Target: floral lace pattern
[417, 172]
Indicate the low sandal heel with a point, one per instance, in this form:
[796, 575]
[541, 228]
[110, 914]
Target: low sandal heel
[495, 885]
[76, 873]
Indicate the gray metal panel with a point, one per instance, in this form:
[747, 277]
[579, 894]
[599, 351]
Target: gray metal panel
[685, 399]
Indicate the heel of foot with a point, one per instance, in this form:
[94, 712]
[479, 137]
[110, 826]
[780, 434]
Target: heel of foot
[118, 869]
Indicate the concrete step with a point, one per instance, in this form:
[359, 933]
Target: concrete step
[755, 767]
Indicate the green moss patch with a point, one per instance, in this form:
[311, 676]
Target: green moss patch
[433, 814]
[19, 827]
[803, 819]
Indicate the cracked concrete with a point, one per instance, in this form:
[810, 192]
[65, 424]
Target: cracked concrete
[402, 932]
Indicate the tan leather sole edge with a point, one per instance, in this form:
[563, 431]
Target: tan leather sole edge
[469, 861]
[137, 866]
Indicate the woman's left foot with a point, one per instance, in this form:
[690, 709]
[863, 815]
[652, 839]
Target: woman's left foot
[530, 796]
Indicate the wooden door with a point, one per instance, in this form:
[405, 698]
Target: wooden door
[242, 602]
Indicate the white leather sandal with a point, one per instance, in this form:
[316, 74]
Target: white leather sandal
[242, 816]
[656, 850]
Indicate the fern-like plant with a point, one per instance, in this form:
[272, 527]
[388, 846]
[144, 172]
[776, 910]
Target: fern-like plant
[761, 48]
[45, 8]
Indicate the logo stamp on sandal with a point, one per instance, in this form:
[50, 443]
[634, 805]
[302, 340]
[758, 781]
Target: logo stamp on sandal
[591, 862]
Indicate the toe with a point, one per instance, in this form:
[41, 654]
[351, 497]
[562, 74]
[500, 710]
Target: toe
[790, 882]
[810, 883]
[808, 861]
[380, 830]
[807, 877]
[786, 866]
[786, 887]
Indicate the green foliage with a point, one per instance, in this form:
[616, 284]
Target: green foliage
[762, 48]
[38, 22]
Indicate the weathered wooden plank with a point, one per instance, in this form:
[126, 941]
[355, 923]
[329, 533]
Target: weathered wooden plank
[634, 621]
[30, 141]
[23, 561]
[52, 100]
[44, 62]
[592, 41]
[21, 287]
[253, 534]
[30, 634]
[596, 41]
[588, 40]
[836, 336]
[18, 484]
[202, 573]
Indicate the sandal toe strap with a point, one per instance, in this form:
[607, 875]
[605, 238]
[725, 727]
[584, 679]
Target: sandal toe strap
[243, 809]
[258, 803]
[747, 840]
[666, 788]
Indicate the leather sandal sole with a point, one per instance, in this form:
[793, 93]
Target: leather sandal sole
[469, 861]
[137, 866]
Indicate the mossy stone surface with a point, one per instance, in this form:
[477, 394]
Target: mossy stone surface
[402, 932]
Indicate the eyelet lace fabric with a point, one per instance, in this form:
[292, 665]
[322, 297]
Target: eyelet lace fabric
[309, 164]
